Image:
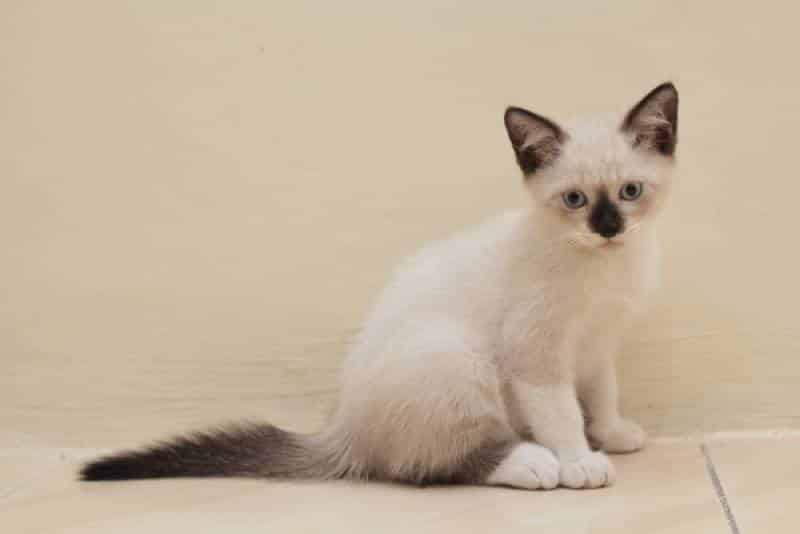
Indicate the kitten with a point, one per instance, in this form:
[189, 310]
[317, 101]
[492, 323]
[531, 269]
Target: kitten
[483, 354]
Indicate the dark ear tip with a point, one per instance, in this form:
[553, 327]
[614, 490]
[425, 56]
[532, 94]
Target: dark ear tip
[513, 110]
[667, 86]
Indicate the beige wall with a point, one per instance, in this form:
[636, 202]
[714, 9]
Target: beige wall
[199, 202]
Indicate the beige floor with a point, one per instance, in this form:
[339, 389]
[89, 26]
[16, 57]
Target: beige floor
[666, 488]
[761, 482]
[199, 201]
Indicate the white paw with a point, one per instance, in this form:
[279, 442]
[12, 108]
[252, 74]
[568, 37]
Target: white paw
[527, 466]
[592, 470]
[623, 436]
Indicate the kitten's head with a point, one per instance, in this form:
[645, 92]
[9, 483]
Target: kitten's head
[598, 182]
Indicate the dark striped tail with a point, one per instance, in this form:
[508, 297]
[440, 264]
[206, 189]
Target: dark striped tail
[238, 451]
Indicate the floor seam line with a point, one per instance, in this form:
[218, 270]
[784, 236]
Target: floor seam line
[719, 489]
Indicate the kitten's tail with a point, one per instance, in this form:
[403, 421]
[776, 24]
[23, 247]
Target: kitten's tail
[255, 450]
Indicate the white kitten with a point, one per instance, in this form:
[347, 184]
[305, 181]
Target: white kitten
[478, 358]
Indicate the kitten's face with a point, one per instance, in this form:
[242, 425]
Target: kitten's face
[597, 184]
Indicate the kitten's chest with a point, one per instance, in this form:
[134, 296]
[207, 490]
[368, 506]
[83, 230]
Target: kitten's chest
[568, 300]
[606, 287]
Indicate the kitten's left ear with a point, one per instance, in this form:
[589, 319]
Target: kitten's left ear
[536, 140]
[653, 123]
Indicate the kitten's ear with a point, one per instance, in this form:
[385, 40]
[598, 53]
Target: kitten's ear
[653, 123]
[536, 140]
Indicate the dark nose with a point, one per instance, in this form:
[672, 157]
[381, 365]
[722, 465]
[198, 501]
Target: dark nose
[605, 219]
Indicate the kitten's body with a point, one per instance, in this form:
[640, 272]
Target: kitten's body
[460, 321]
[473, 363]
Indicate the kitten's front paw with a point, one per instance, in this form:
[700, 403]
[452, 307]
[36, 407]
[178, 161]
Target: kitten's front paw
[623, 436]
[592, 470]
[528, 466]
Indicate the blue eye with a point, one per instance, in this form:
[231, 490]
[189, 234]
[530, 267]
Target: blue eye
[574, 199]
[631, 191]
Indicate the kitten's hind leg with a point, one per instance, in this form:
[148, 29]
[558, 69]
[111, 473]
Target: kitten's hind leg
[516, 464]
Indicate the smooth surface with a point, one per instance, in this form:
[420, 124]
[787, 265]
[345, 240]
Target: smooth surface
[761, 481]
[200, 202]
[664, 489]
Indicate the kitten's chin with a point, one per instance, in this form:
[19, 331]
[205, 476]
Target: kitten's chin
[609, 245]
[598, 242]
[615, 242]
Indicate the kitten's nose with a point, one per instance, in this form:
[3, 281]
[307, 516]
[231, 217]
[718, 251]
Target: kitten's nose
[605, 219]
[608, 226]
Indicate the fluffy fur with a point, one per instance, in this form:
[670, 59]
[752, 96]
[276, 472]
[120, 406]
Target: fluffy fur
[490, 357]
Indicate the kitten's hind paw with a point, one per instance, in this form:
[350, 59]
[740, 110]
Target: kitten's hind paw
[624, 436]
[592, 470]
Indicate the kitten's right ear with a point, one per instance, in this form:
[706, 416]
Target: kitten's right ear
[652, 124]
[536, 140]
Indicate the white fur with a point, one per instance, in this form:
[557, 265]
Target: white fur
[494, 334]
[527, 466]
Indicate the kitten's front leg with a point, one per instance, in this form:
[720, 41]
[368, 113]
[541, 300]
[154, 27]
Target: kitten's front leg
[607, 428]
[554, 418]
